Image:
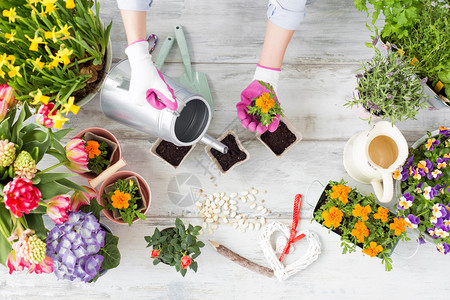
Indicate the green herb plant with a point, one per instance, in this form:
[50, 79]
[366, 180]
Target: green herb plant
[266, 106]
[172, 244]
[388, 87]
[129, 211]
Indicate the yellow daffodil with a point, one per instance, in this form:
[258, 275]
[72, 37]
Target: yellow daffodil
[38, 97]
[58, 120]
[56, 60]
[70, 4]
[65, 30]
[34, 2]
[49, 5]
[64, 55]
[35, 43]
[51, 35]
[37, 63]
[10, 36]
[11, 58]
[14, 71]
[3, 59]
[10, 14]
[2, 74]
[69, 106]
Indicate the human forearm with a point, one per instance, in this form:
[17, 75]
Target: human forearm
[275, 44]
[134, 23]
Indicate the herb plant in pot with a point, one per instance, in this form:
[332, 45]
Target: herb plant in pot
[125, 196]
[423, 188]
[360, 221]
[176, 246]
[388, 88]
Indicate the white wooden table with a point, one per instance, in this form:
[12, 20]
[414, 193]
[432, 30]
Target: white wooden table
[225, 38]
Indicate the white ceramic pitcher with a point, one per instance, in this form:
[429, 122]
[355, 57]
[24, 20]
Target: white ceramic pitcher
[371, 156]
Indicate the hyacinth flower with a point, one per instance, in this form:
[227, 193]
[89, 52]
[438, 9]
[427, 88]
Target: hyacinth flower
[7, 153]
[29, 252]
[77, 156]
[79, 198]
[74, 247]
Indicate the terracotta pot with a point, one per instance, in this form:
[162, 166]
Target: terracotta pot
[117, 161]
[143, 188]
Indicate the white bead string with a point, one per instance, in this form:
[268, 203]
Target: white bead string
[281, 271]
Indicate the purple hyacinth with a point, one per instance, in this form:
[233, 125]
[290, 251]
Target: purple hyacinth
[74, 245]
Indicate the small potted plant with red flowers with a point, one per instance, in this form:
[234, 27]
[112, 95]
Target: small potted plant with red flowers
[176, 246]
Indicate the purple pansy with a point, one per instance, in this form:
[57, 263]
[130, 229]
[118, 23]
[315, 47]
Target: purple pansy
[429, 193]
[431, 143]
[409, 162]
[439, 210]
[444, 248]
[405, 201]
[421, 240]
[444, 131]
[74, 245]
[441, 163]
[437, 233]
[418, 188]
[412, 221]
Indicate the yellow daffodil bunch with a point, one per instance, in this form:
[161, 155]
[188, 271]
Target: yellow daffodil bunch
[51, 53]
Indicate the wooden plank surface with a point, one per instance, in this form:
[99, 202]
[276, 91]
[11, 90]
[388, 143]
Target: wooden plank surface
[225, 38]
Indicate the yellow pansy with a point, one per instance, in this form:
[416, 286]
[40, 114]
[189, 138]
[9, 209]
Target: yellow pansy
[49, 5]
[58, 120]
[69, 106]
[10, 14]
[14, 71]
[64, 55]
[51, 35]
[38, 63]
[65, 30]
[35, 43]
[70, 4]
[10, 36]
[38, 97]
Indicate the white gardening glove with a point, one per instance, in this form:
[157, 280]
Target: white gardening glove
[147, 84]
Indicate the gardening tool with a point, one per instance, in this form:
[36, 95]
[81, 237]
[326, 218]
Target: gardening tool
[371, 156]
[184, 126]
[195, 81]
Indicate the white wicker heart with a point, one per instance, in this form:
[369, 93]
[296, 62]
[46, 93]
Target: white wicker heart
[281, 271]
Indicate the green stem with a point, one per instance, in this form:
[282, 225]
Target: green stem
[51, 168]
[43, 204]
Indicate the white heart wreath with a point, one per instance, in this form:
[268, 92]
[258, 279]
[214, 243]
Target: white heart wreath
[281, 271]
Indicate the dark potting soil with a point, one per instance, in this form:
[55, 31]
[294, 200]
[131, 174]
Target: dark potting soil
[96, 71]
[171, 153]
[233, 156]
[280, 139]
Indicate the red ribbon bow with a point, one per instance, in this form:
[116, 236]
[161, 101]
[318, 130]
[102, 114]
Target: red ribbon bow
[292, 237]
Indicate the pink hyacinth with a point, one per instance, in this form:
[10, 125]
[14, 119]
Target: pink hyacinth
[42, 116]
[20, 196]
[58, 208]
[77, 156]
[7, 99]
[82, 197]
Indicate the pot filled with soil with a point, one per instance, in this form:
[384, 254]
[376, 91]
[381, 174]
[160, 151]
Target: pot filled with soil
[235, 156]
[281, 140]
[172, 154]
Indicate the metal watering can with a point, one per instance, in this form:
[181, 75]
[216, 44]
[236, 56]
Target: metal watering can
[185, 126]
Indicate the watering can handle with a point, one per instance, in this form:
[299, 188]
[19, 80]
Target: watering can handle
[384, 192]
[164, 51]
[182, 44]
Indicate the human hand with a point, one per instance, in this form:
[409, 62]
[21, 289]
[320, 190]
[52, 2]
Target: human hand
[147, 84]
[254, 90]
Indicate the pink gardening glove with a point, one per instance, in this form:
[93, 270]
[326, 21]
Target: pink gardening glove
[251, 92]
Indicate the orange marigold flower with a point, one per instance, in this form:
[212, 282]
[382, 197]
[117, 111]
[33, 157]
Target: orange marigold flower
[373, 249]
[340, 192]
[362, 212]
[398, 225]
[92, 149]
[360, 231]
[332, 217]
[382, 214]
[120, 199]
[265, 103]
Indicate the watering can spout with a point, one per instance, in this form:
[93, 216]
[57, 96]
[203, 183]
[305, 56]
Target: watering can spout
[213, 143]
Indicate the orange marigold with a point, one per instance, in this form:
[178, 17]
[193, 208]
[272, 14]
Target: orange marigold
[362, 212]
[265, 103]
[373, 249]
[120, 199]
[332, 217]
[360, 231]
[398, 225]
[382, 214]
[92, 149]
[340, 192]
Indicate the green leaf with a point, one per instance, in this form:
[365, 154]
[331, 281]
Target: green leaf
[5, 249]
[194, 266]
[51, 189]
[36, 223]
[156, 234]
[93, 207]
[148, 239]
[156, 261]
[111, 239]
[111, 256]
[59, 134]
[200, 244]
[183, 272]
[50, 177]
[38, 139]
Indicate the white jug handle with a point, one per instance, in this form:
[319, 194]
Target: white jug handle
[384, 192]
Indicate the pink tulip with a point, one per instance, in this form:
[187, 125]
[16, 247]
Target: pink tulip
[16, 262]
[20, 196]
[82, 198]
[77, 156]
[58, 208]
[7, 99]
[42, 116]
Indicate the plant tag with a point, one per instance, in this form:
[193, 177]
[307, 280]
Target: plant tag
[413, 61]
[438, 87]
[401, 52]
